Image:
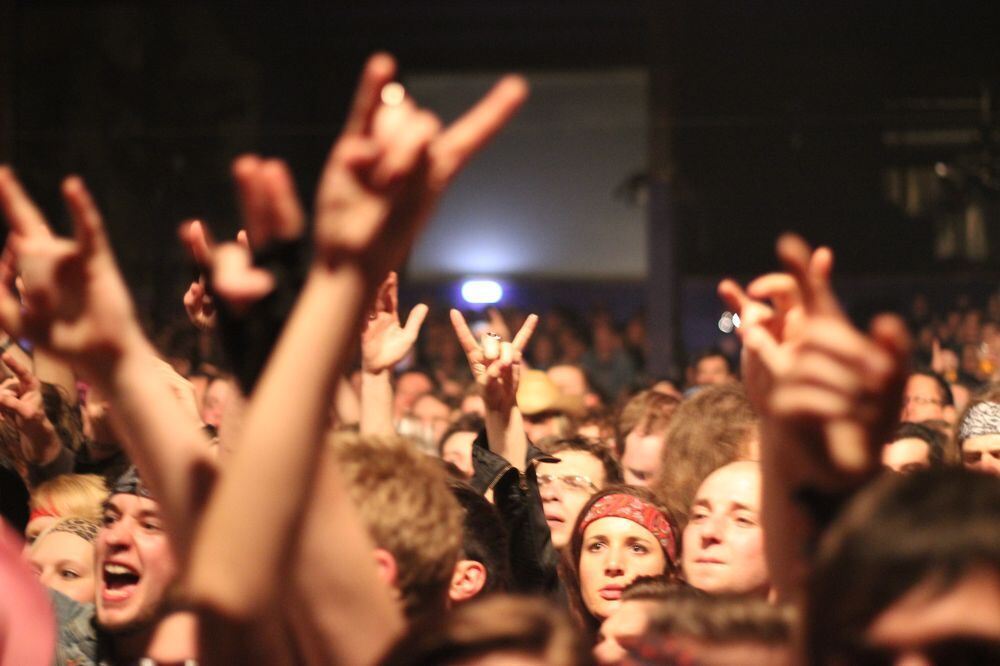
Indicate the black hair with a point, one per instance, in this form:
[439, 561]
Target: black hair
[484, 538]
[464, 423]
[947, 399]
[936, 441]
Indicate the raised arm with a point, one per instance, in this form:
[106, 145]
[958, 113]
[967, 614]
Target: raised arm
[384, 343]
[496, 367]
[77, 307]
[827, 394]
[381, 182]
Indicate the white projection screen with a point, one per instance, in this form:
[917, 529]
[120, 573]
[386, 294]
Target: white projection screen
[541, 200]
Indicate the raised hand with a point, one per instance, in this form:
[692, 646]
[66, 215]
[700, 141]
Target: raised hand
[384, 343]
[833, 377]
[495, 363]
[771, 307]
[21, 401]
[254, 281]
[392, 163]
[199, 306]
[75, 302]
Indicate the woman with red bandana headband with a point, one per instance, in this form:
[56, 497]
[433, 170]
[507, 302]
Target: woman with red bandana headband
[621, 533]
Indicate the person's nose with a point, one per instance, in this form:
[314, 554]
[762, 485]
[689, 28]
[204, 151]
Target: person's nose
[711, 530]
[118, 535]
[549, 491]
[613, 565]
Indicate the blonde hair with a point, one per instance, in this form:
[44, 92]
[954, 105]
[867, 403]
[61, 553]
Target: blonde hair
[71, 495]
[403, 499]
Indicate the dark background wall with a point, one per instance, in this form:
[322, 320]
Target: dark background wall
[780, 114]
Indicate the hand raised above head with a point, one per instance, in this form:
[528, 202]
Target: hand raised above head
[833, 379]
[384, 343]
[76, 304]
[392, 163]
[495, 363]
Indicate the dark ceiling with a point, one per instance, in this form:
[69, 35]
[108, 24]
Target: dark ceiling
[776, 111]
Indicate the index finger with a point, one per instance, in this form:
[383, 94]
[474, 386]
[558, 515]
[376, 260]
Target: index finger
[88, 228]
[733, 295]
[24, 376]
[465, 336]
[780, 288]
[811, 271]
[524, 335]
[378, 71]
[477, 126]
[21, 213]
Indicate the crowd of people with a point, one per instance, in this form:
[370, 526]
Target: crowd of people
[343, 483]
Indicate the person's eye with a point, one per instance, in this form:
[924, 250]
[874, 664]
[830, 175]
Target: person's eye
[595, 547]
[698, 516]
[108, 519]
[69, 574]
[151, 526]
[639, 549]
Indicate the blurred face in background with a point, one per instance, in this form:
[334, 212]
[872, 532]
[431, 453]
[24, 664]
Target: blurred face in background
[409, 387]
[457, 450]
[712, 370]
[432, 415]
[214, 403]
[642, 456]
[982, 453]
[65, 562]
[565, 486]
[723, 542]
[922, 399]
[906, 455]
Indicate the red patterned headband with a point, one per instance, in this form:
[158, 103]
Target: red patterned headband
[42, 512]
[639, 512]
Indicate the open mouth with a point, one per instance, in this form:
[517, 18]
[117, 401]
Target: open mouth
[118, 581]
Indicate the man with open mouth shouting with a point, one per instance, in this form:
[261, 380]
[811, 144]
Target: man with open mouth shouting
[135, 569]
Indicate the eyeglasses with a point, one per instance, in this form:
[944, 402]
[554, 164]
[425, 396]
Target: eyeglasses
[568, 481]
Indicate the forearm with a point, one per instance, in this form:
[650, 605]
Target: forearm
[787, 528]
[346, 404]
[237, 561]
[376, 403]
[506, 437]
[164, 440]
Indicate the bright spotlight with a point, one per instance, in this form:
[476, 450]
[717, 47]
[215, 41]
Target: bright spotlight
[482, 291]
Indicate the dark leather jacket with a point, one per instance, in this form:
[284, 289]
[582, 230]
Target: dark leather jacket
[533, 559]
